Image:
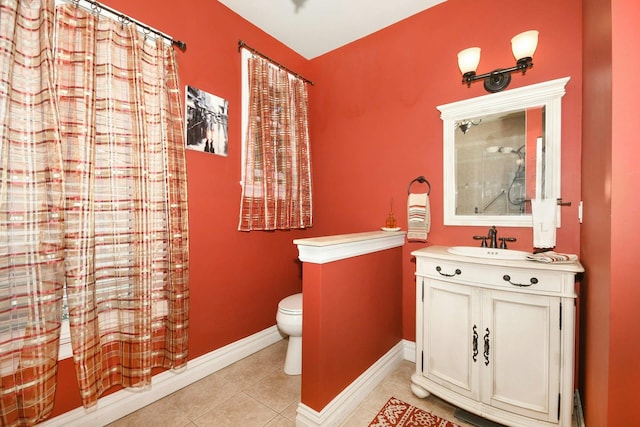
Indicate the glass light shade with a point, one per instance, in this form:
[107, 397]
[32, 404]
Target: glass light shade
[524, 44]
[469, 59]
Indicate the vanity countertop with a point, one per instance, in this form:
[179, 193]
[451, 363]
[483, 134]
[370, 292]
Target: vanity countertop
[440, 252]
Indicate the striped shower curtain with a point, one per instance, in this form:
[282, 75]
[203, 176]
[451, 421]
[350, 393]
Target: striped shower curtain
[92, 197]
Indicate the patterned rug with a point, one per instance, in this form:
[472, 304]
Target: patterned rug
[396, 413]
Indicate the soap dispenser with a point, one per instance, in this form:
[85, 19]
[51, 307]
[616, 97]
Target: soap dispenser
[391, 220]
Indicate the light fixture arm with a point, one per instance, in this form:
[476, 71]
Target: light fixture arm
[498, 79]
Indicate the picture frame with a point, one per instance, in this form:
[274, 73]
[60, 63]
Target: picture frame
[207, 122]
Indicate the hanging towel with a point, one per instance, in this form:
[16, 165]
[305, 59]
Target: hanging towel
[419, 217]
[543, 212]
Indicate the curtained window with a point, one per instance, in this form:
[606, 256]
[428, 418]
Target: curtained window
[276, 163]
[93, 202]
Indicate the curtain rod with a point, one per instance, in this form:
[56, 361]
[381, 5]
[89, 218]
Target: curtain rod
[98, 7]
[242, 44]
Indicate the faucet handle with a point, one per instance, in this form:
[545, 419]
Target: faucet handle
[504, 240]
[484, 240]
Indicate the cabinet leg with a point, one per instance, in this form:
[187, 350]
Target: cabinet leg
[419, 391]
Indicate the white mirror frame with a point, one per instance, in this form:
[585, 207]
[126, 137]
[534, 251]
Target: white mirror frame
[548, 94]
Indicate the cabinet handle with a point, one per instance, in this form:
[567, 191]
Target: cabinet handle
[475, 343]
[486, 347]
[439, 270]
[532, 281]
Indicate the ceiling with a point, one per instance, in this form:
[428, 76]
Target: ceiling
[315, 27]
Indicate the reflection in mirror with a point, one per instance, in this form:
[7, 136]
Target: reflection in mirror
[495, 159]
[500, 151]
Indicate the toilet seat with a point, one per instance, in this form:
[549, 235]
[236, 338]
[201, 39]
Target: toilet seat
[291, 304]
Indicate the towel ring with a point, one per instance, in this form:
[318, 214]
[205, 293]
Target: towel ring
[420, 179]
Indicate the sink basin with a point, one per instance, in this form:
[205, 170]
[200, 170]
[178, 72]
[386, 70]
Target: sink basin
[490, 253]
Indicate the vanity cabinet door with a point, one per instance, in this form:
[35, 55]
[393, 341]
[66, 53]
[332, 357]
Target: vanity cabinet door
[451, 314]
[521, 357]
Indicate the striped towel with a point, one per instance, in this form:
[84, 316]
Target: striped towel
[550, 257]
[419, 217]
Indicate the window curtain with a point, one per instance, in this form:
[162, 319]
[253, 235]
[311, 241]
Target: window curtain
[31, 214]
[276, 190]
[126, 201]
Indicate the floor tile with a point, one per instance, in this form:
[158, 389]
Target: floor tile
[239, 410]
[257, 366]
[281, 421]
[361, 417]
[204, 395]
[291, 411]
[158, 414]
[277, 390]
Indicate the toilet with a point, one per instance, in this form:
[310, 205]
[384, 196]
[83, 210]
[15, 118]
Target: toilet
[289, 320]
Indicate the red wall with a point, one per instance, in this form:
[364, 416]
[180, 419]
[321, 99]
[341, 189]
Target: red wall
[375, 126]
[610, 234]
[352, 317]
[625, 207]
[596, 232]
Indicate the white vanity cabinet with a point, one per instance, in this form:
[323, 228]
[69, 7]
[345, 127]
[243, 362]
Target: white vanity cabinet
[496, 337]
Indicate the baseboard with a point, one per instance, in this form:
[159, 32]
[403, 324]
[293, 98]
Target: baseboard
[348, 400]
[409, 350]
[120, 403]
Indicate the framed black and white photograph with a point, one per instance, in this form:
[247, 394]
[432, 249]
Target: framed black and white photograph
[207, 118]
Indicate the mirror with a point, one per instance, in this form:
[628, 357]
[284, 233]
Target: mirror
[492, 161]
[500, 151]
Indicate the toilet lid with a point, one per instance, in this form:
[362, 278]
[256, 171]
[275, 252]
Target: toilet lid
[291, 304]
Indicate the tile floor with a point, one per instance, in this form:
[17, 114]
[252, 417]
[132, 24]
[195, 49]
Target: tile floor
[255, 392]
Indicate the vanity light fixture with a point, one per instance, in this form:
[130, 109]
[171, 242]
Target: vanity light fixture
[523, 46]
